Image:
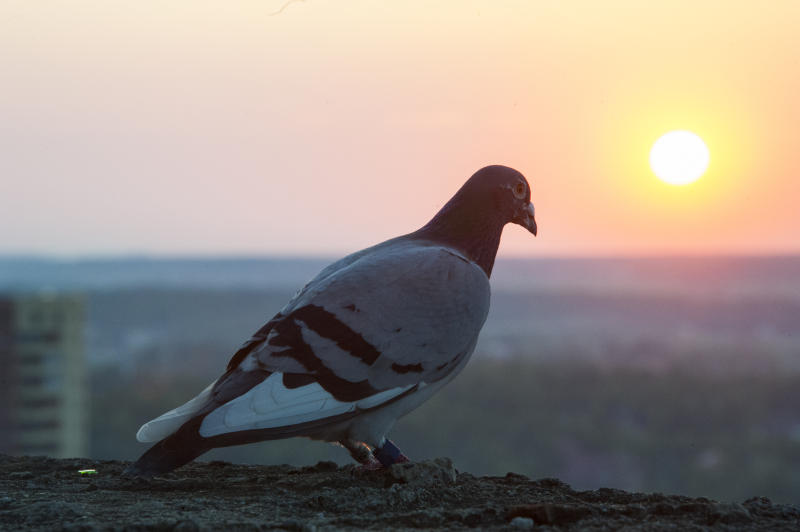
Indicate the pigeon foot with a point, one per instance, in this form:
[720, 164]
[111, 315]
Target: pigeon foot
[374, 459]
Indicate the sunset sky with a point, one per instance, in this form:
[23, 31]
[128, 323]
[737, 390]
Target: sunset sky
[194, 127]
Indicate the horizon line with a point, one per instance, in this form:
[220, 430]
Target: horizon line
[201, 256]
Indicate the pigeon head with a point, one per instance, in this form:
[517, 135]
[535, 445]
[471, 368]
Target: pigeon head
[473, 220]
[509, 192]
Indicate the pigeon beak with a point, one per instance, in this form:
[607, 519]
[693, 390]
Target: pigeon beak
[527, 219]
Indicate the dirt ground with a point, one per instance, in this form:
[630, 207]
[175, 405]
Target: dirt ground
[39, 493]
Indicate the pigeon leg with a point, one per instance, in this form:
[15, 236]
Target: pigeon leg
[361, 453]
[389, 454]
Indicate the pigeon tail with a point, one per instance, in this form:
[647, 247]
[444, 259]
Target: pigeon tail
[186, 443]
[171, 453]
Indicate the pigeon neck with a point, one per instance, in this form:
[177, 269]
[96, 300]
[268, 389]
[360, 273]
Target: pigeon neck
[473, 231]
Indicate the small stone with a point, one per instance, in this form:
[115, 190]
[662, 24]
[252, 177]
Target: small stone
[523, 523]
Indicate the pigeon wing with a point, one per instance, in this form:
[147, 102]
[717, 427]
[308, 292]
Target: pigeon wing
[392, 318]
[357, 338]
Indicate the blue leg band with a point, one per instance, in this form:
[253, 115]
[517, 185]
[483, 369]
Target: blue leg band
[388, 454]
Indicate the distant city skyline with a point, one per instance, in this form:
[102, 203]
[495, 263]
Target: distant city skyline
[139, 128]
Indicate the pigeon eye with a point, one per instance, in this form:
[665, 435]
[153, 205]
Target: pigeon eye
[519, 190]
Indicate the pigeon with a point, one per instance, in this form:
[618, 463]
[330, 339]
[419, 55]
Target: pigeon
[366, 341]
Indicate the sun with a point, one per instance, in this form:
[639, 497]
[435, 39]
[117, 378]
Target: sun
[679, 157]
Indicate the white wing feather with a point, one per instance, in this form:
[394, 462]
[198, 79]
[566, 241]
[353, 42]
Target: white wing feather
[271, 405]
[169, 422]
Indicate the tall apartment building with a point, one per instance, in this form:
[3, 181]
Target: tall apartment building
[43, 380]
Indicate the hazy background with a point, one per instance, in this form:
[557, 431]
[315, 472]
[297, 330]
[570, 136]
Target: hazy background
[679, 375]
[188, 165]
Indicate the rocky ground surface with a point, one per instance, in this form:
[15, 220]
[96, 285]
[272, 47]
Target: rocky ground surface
[47, 494]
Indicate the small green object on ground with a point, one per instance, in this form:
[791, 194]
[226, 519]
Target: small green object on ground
[87, 471]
